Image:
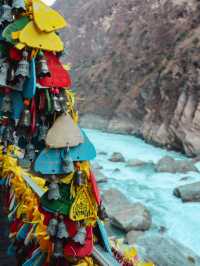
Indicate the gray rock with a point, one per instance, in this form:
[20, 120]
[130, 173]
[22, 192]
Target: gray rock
[168, 164]
[96, 166]
[189, 192]
[124, 214]
[100, 177]
[135, 163]
[132, 236]
[117, 157]
[164, 251]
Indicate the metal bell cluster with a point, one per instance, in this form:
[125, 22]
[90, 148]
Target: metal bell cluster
[58, 231]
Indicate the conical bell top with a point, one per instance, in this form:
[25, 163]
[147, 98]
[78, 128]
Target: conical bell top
[64, 133]
[23, 66]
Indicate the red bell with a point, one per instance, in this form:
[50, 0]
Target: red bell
[59, 78]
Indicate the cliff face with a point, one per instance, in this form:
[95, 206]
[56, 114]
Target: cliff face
[136, 67]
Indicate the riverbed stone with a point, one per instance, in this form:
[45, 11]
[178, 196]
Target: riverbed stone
[117, 157]
[189, 192]
[100, 177]
[132, 236]
[124, 214]
[169, 164]
[164, 251]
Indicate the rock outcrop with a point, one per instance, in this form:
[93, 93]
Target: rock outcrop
[124, 214]
[136, 67]
[164, 251]
[189, 192]
[169, 164]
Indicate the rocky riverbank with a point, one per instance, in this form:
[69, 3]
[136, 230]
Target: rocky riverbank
[136, 67]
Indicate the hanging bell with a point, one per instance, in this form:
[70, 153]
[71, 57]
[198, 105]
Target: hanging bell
[56, 104]
[6, 13]
[43, 129]
[11, 75]
[30, 152]
[4, 67]
[18, 6]
[53, 192]
[25, 120]
[6, 105]
[62, 230]
[62, 101]
[67, 163]
[80, 179]
[58, 249]
[7, 135]
[23, 66]
[52, 227]
[80, 236]
[42, 67]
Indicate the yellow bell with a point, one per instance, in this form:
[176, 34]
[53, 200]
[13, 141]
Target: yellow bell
[34, 38]
[46, 18]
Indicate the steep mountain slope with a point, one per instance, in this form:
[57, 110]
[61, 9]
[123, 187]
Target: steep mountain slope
[136, 67]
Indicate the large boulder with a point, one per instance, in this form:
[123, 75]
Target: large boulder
[189, 192]
[132, 236]
[117, 157]
[168, 164]
[124, 214]
[164, 251]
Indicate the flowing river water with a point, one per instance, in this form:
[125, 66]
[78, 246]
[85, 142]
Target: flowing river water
[154, 190]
